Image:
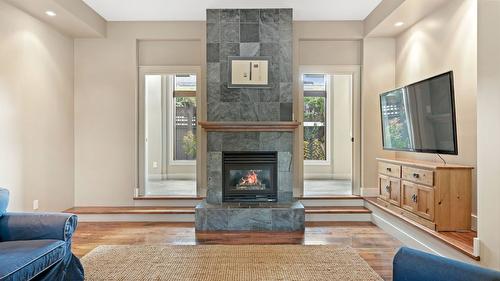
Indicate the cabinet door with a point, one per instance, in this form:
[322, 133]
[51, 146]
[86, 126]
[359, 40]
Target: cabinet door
[409, 196]
[425, 202]
[395, 191]
[390, 189]
[384, 186]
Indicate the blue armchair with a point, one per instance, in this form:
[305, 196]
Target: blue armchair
[36, 246]
[413, 265]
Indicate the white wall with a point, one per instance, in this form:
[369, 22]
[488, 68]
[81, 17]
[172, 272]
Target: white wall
[379, 68]
[445, 40]
[488, 132]
[36, 112]
[105, 107]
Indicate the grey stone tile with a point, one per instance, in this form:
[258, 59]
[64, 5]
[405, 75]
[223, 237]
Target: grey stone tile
[249, 111]
[213, 93]
[229, 49]
[269, 141]
[213, 52]
[286, 15]
[249, 15]
[213, 15]
[285, 32]
[271, 94]
[286, 93]
[214, 196]
[217, 219]
[285, 161]
[282, 220]
[225, 111]
[285, 182]
[215, 181]
[230, 141]
[269, 15]
[269, 111]
[249, 141]
[285, 197]
[249, 95]
[213, 72]
[214, 162]
[286, 142]
[285, 52]
[200, 218]
[299, 218]
[213, 33]
[285, 72]
[249, 49]
[230, 15]
[270, 49]
[214, 141]
[286, 111]
[229, 95]
[249, 32]
[269, 32]
[224, 73]
[230, 33]
[250, 219]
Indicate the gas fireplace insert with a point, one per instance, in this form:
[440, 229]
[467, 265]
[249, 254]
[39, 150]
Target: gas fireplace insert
[249, 176]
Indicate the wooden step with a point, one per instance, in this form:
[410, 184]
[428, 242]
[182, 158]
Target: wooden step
[461, 241]
[189, 210]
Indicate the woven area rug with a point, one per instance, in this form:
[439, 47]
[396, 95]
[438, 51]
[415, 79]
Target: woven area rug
[226, 263]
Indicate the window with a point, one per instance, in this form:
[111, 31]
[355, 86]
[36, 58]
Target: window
[315, 117]
[184, 119]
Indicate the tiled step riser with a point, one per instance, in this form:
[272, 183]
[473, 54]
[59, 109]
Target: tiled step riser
[190, 217]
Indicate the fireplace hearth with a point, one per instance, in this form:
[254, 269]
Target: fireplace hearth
[249, 176]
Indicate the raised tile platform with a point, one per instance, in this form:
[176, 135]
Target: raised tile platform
[245, 217]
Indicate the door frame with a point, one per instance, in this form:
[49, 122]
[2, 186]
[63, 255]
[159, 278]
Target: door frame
[140, 128]
[355, 71]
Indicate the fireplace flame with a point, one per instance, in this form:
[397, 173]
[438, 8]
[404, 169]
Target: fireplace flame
[250, 179]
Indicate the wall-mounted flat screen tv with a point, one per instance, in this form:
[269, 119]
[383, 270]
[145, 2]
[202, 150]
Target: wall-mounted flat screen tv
[421, 117]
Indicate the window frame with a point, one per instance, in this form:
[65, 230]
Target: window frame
[171, 94]
[328, 112]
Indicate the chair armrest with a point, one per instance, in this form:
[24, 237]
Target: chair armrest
[414, 265]
[35, 226]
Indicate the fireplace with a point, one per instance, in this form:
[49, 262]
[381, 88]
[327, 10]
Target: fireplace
[249, 177]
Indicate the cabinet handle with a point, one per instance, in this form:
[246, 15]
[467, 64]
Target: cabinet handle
[388, 188]
[416, 175]
[388, 169]
[414, 198]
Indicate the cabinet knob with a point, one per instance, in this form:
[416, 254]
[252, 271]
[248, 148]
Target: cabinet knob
[416, 175]
[414, 198]
[388, 169]
[388, 188]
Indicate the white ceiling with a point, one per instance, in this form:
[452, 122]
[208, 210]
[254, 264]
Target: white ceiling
[160, 10]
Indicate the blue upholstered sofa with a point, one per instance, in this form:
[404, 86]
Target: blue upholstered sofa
[413, 265]
[36, 246]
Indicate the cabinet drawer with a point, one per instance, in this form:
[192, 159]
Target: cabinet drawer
[418, 175]
[389, 169]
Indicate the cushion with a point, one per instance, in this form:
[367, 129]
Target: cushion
[4, 200]
[24, 259]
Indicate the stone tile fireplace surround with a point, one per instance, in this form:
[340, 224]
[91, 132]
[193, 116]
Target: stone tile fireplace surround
[248, 33]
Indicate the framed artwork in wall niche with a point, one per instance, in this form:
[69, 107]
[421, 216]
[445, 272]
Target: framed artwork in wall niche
[248, 72]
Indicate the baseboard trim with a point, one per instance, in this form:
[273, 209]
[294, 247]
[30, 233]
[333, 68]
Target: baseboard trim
[323, 176]
[413, 237]
[369, 191]
[473, 222]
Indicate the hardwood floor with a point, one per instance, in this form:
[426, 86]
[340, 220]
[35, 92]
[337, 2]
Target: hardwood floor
[372, 243]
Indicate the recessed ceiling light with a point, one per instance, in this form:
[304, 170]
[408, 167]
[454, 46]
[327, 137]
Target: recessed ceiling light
[399, 23]
[50, 13]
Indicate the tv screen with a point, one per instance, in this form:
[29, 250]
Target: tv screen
[421, 117]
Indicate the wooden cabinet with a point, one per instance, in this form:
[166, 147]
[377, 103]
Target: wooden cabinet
[432, 194]
[390, 189]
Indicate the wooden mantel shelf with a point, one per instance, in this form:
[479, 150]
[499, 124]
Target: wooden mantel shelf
[265, 126]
